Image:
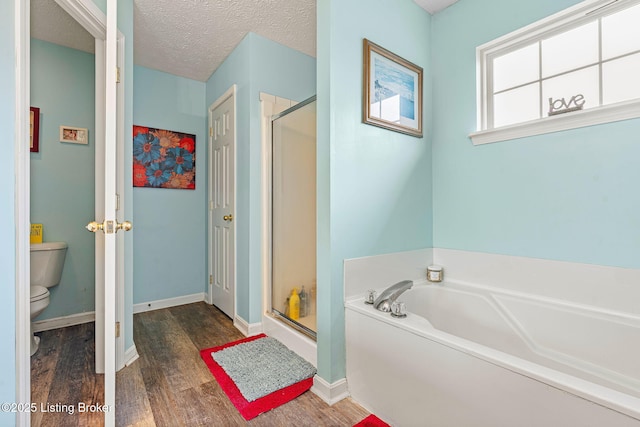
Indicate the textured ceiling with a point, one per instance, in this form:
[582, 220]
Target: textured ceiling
[51, 23]
[191, 38]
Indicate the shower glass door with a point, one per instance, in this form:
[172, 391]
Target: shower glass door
[293, 281]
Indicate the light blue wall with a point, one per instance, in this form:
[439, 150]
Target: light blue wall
[374, 185]
[7, 217]
[170, 225]
[568, 195]
[256, 65]
[63, 174]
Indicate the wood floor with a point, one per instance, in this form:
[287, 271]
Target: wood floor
[169, 385]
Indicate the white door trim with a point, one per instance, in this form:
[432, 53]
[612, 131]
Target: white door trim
[231, 92]
[94, 21]
[22, 208]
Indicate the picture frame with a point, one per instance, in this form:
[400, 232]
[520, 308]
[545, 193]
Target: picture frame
[392, 91]
[74, 135]
[34, 129]
[164, 158]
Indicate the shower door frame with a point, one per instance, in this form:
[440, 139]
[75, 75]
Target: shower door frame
[270, 309]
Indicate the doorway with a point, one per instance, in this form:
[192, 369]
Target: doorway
[95, 22]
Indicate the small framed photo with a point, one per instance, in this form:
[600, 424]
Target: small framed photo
[74, 135]
[34, 130]
[392, 91]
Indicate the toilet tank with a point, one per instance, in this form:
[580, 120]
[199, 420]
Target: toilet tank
[47, 260]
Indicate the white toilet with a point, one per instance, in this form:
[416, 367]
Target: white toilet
[47, 260]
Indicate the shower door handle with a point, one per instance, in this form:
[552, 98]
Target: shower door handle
[228, 217]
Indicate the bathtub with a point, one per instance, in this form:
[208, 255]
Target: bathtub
[469, 355]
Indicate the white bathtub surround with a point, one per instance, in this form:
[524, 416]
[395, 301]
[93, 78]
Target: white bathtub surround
[502, 341]
[381, 271]
[440, 379]
[594, 285]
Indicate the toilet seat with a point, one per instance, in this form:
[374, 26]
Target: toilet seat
[39, 293]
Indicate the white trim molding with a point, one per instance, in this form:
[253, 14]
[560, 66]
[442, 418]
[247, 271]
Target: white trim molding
[131, 355]
[593, 116]
[64, 321]
[22, 208]
[168, 302]
[247, 329]
[330, 393]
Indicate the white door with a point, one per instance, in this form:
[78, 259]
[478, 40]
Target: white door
[107, 223]
[222, 219]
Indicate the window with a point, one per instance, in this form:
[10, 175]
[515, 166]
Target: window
[577, 68]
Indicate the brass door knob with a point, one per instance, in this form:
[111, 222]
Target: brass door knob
[94, 227]
[124, 226]
[107, 227]
[228, 217]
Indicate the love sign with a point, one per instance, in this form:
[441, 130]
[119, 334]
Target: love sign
[561, 105]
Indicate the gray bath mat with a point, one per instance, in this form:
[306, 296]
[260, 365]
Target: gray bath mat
[262, 366]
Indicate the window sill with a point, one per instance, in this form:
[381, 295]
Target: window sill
[593, 116]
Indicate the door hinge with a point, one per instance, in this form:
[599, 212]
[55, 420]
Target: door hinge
[117, 202]
[210, 131]
[211, 279]
[117, 329]
[117, 74]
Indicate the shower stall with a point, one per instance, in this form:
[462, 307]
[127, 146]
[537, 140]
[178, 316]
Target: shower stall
[293, 217]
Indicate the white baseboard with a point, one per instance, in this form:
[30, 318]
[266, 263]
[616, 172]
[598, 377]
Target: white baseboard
[169, 302]
[131, 355]
[247, 329]
[64, 321]
[330, 393]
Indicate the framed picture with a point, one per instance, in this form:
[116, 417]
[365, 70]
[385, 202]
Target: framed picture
[34, 130]
[392, 91]
[163, 158]
[74, 135]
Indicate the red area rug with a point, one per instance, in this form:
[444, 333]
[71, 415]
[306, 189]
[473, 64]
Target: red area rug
[250, 410]
[371, 421]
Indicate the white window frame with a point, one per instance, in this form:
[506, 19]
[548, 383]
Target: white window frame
[565, 20]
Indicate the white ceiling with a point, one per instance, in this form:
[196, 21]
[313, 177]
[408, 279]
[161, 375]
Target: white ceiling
[191, 38]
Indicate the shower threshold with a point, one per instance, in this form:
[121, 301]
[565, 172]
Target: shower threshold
[302, 325]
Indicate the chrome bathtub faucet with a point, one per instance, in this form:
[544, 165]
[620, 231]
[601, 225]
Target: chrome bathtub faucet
[389, 295]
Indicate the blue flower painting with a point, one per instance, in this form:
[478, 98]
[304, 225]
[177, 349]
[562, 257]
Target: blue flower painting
[163, 158]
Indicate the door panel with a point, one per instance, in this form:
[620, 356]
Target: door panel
[222, 221]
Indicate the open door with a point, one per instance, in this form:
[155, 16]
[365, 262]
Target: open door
[106, 224]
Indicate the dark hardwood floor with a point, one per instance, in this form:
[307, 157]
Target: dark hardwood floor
[169, 385]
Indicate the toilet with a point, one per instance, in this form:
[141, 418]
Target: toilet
[47, 260]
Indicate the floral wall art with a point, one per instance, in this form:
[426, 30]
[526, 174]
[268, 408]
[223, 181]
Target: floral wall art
[163, 158]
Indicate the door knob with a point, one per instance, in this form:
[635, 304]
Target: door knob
[108, 227]
[94, 227]
[228, 217]
[124, 226]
